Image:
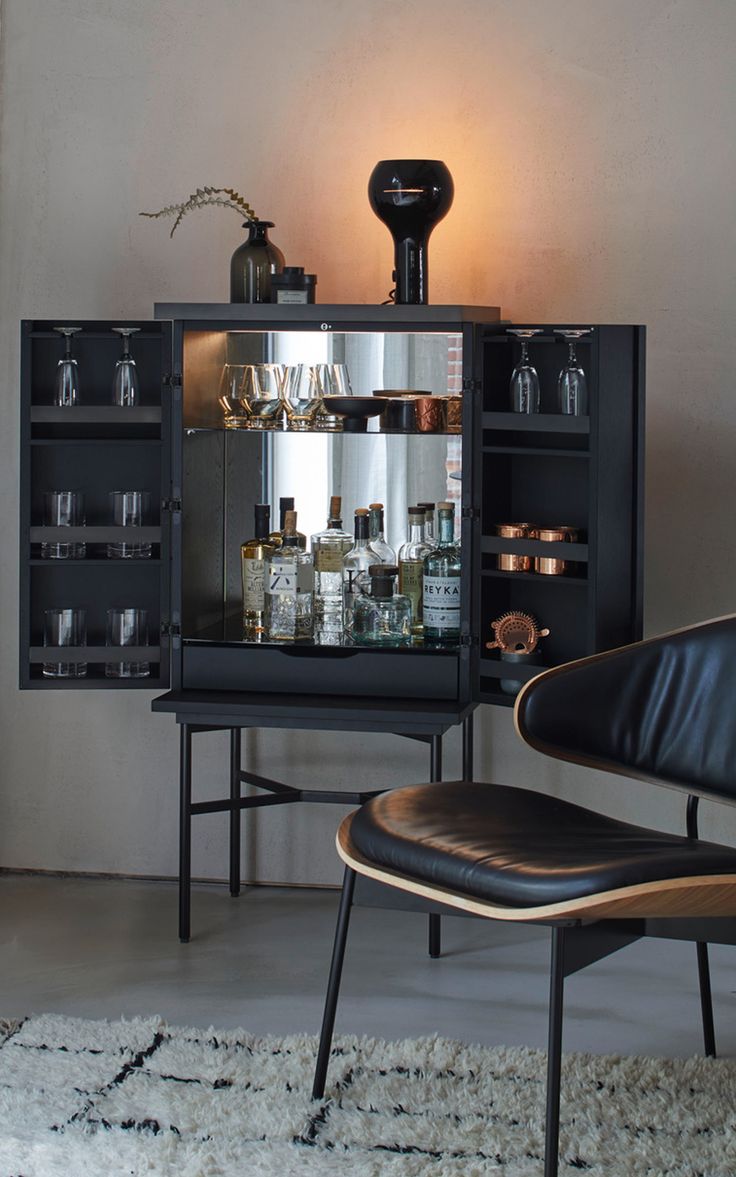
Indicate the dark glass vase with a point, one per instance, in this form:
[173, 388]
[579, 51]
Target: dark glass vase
[253, 263]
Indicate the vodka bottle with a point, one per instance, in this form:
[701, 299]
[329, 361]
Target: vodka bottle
[328, 548]
[411, 565]
[384, 551]
[429, 531]
[355, 567]
[276, 537]
[442, 584]
[289, 588]
[382, 617]
[253, 556]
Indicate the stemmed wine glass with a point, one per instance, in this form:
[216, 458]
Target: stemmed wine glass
[66, 391]
[524, 385]
[125, 388]
[572, 386]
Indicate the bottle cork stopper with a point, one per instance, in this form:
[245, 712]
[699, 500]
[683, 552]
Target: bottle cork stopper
[445, 506]
[290, 523]
[362, 511]
[335, 506]
[375, 506]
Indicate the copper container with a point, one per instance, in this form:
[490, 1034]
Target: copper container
[508, 562]
[431, 414]
[454, 411]
[550, 565]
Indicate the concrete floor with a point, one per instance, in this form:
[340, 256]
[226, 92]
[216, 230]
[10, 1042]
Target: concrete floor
[105, 948]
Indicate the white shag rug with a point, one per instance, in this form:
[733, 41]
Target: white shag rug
[123, 1099]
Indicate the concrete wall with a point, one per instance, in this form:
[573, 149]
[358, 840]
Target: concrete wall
[591, 149]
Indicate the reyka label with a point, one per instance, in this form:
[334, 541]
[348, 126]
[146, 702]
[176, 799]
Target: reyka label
[442, 602]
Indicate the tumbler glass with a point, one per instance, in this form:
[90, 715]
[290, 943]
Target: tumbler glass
[63, 508]
[127, 627]
[64, 627]
[302, 396]
[129, 508]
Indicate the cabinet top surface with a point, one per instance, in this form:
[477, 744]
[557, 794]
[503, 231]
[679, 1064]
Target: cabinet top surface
[324, 313]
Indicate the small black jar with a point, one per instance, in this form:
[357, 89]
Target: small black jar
[292, 285]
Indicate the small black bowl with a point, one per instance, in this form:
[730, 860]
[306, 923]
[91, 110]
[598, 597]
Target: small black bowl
[355, 409]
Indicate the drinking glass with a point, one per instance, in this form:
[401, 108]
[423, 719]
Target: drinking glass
[261, 393]
[66, 388]
[301, 393]
[334, 380]
[129, 508]
[63, 508]
[64, 627]
[125, 389]
[572, 385]
[236, 414]
[127, 627]
[524, 385]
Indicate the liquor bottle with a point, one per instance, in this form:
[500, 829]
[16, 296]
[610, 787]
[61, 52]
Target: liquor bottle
[328, 548]
[355, 567]
[382, 617]
[411, 565]
[276, 537]
[253, 556]
[289, 588]
[429, 531]
[384, 551]
[442, 583]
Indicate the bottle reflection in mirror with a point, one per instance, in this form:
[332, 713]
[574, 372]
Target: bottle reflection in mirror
[524, 387]
[254, 554]
[289, 588]
[329, 547]
[355, 567]
[572, 386]
[125, 388]
[66, 387]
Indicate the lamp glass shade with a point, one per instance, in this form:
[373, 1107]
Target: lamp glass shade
[410, 196]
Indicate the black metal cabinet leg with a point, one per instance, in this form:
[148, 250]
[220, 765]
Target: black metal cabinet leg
[554, 1053]
[468, 748]
[333, 985]
[706, 1001]
[235, 813]
[435, 774]
[185, 831]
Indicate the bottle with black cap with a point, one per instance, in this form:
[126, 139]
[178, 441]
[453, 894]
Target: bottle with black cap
[286, 503]
[382, 617]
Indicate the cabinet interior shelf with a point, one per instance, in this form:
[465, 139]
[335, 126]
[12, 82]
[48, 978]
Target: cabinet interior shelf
[111, 335]
[497, 339]
[95, 415]
[535, 451]
[570, 581]
[96, 535]
[537, 422]
[497, 544]
[94, 654]
[37, 562]
[95, 441]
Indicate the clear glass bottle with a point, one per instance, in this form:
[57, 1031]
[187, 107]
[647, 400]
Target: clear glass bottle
[411, 565]
[429, 532]
[289, 588]
[441, 592]
[286, 503]
[355, 567]
[382, 618]
[253, 556]
[328, 549]
[384, 551]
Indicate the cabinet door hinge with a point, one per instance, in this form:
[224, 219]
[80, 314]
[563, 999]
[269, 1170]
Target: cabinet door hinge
[170, 629]
[470, 513]
[172, 380]
[471, 384]
[173, 505]
[468, 639]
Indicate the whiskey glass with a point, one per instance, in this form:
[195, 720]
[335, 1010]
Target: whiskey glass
[129, 508]
[125, 387]
[63, 508]
[524, 387]
[261, 393]
[302, 395]
[236, 414]
[64, 627]
[127, 627]
[572, 385]
[66, 385]
[334, 380]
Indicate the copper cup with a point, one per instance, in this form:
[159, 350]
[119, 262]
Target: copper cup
[550, 565]
[431, 414]
[454, 413]
[508, 562]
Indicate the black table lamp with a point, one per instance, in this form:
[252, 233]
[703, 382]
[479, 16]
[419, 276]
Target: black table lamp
[410, 196]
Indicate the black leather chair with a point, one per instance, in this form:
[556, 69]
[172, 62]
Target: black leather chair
[662, 711]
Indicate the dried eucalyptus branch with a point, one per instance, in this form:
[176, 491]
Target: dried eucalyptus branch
[201, 198]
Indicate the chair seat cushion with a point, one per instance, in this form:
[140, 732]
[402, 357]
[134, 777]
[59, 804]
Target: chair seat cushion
[518, 848]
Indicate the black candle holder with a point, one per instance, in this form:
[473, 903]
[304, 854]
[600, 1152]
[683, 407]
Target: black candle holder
[410, 196]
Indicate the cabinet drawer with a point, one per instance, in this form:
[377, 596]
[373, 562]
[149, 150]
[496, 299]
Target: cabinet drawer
[397, 674]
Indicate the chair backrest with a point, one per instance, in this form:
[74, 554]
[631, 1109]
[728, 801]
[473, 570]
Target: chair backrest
[662, 710]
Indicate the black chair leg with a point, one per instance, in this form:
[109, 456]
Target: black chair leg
[706, 1001]
[435, 935]
[554, 1054]
[333, 985]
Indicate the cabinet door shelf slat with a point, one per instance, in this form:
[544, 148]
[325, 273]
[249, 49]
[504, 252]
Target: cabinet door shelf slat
[536, 422]
[535, 547]
[536, 577]
[95, 415]
[94, 654]
[95, 535]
